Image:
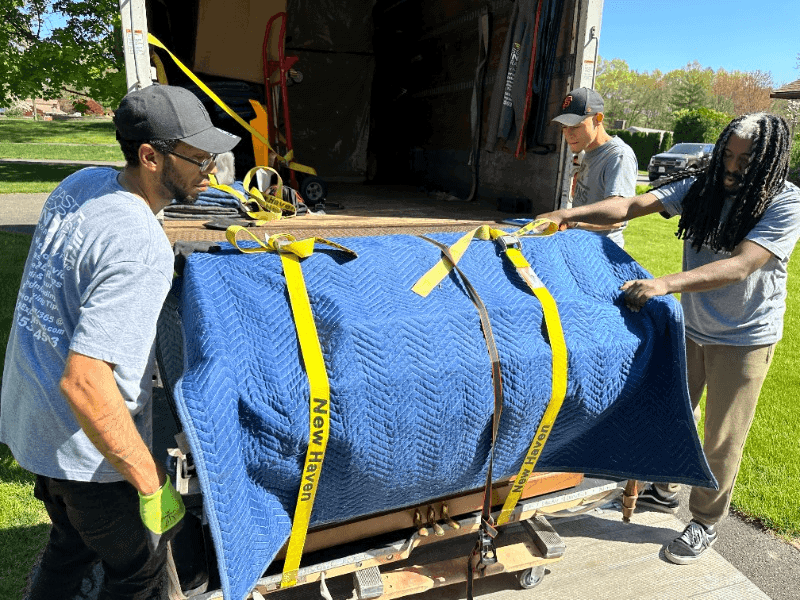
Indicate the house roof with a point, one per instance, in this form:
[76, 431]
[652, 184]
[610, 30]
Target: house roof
[790, 91]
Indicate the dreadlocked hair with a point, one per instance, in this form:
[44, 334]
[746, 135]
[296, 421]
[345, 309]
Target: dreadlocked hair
[763, 178]
[677, 176]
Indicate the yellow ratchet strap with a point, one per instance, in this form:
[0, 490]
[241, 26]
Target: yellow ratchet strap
[511, 245]
[286, 159]
[559, 364]
[291, 251]
[441, 269]
[272, 205]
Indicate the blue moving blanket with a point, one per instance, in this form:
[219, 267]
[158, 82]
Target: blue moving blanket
[410, 377]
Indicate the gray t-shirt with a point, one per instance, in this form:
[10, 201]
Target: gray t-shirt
[96, 276]
[608, 170]
[748, 313]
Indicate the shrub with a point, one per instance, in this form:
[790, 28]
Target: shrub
[666, 142]
[794, 161]
[644, 145]
[89, 107]
[699, 125]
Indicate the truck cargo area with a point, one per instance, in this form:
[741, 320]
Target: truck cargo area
[451, 98]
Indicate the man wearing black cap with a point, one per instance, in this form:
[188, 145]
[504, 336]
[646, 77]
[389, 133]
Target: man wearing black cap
[77, 381]
[609, 167]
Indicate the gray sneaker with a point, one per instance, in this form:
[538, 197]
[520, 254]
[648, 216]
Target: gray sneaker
[692, 543]
[650, 497]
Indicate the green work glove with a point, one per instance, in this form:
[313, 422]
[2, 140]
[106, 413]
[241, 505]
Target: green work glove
[161, 511]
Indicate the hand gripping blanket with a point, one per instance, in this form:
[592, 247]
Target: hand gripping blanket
[411, 390]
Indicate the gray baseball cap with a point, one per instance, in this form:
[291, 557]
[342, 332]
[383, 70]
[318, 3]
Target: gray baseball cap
[166, 112]
[579, 104]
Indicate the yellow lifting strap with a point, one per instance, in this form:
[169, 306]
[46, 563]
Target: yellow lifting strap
[286, 159]
[291, 251]
[161, 74]
[441, 269]
[272, 206]
[511, 245]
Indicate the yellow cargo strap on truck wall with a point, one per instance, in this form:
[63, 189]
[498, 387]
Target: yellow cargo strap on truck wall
[285, 159]
[511, 244]
[291, 251]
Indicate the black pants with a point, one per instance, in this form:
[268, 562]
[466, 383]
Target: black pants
[90, 522]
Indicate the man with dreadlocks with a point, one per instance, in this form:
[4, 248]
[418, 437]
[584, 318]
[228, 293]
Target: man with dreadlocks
[740, 220]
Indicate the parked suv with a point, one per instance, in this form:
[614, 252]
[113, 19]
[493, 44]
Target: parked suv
[679, 157]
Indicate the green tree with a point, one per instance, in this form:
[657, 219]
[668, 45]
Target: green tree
[690, 87]
[630, 96]
[699, 125]
[47, 46]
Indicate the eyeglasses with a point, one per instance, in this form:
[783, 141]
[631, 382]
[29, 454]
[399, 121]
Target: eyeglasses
[204, 166]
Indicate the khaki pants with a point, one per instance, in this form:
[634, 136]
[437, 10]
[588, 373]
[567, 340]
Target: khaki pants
[732, 377]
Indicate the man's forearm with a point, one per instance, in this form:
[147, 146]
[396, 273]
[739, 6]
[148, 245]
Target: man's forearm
[747, 257]
[591, 227]
[607, 213]
[604, 214]
[92, 393]
[713, 275]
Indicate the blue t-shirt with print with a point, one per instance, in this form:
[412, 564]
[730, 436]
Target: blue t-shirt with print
[96, 276]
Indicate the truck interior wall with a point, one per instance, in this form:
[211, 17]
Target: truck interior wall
[330, 108]
[426, 59]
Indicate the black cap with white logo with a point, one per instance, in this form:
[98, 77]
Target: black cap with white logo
[166, 112]
[579, 104]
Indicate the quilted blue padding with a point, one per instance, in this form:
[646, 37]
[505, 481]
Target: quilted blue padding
[411, 389]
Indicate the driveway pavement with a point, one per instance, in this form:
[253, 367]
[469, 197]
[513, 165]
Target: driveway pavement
[20, 212]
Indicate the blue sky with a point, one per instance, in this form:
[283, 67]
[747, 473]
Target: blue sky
[744, 35]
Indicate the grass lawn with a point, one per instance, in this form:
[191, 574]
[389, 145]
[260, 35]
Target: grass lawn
[26, 178]
[109, 152]
[88, 139]
[79, 131]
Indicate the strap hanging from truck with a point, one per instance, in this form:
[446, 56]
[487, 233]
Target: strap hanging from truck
[476, 105]
[291, 251]
[285, 159]
[521, 132]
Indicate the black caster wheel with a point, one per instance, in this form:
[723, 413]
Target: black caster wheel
[313, 190]
[532, 577]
